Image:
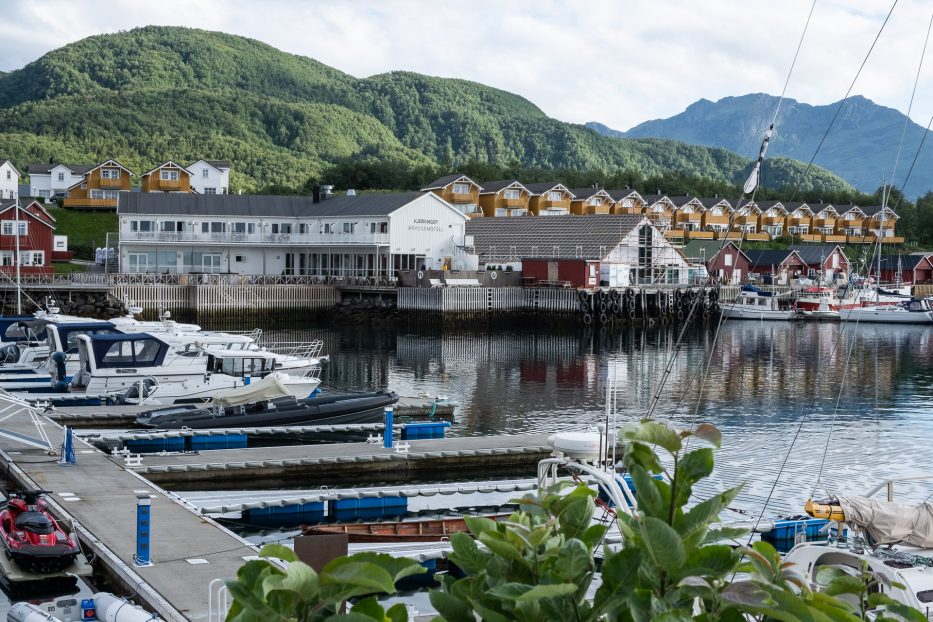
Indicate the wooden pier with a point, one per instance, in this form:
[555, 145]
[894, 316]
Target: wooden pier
[347, 462]
[188, 551]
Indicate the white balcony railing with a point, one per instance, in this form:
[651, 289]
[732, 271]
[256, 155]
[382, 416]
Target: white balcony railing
[315, 239]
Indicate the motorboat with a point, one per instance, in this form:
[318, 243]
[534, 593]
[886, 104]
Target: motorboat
[31, 536]
[819, 303]
[286, 410]
[911, 311]
[755, 304]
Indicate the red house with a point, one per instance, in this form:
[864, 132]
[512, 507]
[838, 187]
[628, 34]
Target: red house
[915, 269]
[779, 265]
[556, 271]
[724, 262]
[35, 228]
[825, 262]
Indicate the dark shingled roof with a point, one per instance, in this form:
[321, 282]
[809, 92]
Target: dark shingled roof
[871, 210]
[442, 182]
[76, 169]
[907, 262]
[584, 193]
[491, 187]
[551, 236]
[708, 249]
[764, 206]
[708, 202]
[768, 258]
[653, 198]
[218, 163]
[541, 188]
[261, 205]
[618, 194]
[680, 200]
[815, 254]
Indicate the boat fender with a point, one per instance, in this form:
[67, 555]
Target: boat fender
[587, 319]
[603, 307]
[27, 612]
[630, 293]
[583, 295]
[631, 314]
[585, 307]
[603, 318]
[111, 608]
[680, 315]
[616, 308]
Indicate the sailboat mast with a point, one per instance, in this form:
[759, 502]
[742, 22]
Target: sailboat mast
[19, 291]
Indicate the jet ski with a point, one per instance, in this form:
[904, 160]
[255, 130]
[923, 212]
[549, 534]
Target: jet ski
[288, 410]
[31, 537]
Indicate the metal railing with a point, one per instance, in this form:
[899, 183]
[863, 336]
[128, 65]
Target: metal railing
[889, 484]
[336, 238]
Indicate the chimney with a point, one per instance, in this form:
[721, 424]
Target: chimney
[716, 195]
[315, 193]
[327, 191]
[659, 191]
[626, 187]
[351, 192]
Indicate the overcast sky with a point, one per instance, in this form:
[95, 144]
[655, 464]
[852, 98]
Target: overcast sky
[617, 62]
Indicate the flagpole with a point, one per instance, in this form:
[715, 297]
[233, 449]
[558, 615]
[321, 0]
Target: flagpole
[19, 290]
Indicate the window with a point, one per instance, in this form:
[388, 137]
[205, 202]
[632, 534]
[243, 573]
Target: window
[378, 227]
[328, 228]
[61, 177]
[461, 188]
[32, 258]
[554, 195]
[9, 175]
[143, 226]
[171, 226]
[244, 227]
[716, 211]
[8, 227]
[205, 173]
[6, 258]
[110, 173]
[105, 194]
[213, 227]
[728, 258]
[512, 193]
[349, 227]
[168, 175]
[239, 258]
[210, 191]
[223, 190]
[281, 227]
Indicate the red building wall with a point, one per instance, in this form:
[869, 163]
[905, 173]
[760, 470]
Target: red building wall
[718, 265]
[39, 237]
[577, 272]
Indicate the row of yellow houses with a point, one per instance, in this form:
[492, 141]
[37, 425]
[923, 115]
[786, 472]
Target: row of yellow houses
[681, 218]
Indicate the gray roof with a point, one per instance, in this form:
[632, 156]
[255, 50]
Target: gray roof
[904, 262]
[651, 199]
[766, 205]
[681, 199]
[261, 205]
[694, 249]
[446, 180]
[551, 236]
[491, 187]
[768, 258]
[815, 254]
[711, 201]
[618, 194]
[871, 210]
[77, 169]
[584, 193]
[542, 187]
[218, 163]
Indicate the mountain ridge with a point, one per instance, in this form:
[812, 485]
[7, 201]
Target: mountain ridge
[157, 93]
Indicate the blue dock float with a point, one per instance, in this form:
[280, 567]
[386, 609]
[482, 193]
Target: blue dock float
[431, 429]
[217, 441]
[155, 445]
[187, 443]
[372, 507]
[277, 516]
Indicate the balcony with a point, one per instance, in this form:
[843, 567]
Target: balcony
[810, 237]
[690, 217]
[544, 204]
[109, 183]
[463, 197]
[767, 221]
[824, 222]
[717, 220]
[846, 223]
[675, 234]
[761, 236]
[519, 202]
[303, 239]
[729, 235]
[632, 209]
[701, 235]
[80, 203]
[861, 239]
[836, 238]
[598, 209]
[166, 184]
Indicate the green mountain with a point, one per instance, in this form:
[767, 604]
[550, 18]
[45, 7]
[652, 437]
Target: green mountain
[160, 93]
[861, 147]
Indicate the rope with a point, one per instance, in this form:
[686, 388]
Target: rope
[844, 99]
[910, 105]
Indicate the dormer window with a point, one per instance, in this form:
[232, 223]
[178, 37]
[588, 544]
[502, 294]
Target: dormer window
[61, 177]
[461, 188]
[657, 209]
[555, 195]
[716, 211]
[512, 193]
[110, 173]
[169, 175]
[595, 201]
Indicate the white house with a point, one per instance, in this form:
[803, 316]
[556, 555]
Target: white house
[210, 176]
[9, 180]
[361, 235]
[625, 239]
[47, 180]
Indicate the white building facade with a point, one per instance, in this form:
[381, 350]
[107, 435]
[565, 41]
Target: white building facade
[363, 235]
[210, 176]
[47, 180]
[9, 181]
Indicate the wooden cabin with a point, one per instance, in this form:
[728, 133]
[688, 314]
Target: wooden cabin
[880, 223]
[507, 197]
[660, 211]
[717, 216]
[167, 177]
[773, 218]
[548, 199]
[725, 262]
[825, 262]
[779, 265]
[35, 228]
[688, 215]
[824, 221]
[626, 201]
[916, 269]
[851, 223]
[458, 190]
[561, 271]
[100, 187]
[798, 222]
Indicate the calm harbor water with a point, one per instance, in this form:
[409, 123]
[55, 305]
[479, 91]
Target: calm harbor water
[772, 389]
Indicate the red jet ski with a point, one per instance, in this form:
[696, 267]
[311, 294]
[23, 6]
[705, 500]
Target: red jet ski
[31, 537]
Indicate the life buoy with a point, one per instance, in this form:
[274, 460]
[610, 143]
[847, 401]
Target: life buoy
[587, 319]
[420, 274]
[493, 276]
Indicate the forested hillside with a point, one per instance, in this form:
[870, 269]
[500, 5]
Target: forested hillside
[159, 93]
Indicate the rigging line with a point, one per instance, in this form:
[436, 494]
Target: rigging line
[793, 64]
[832, 423]
[848, 92]
[900, 195]
[910, 105]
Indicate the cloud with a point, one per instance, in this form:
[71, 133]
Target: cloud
[617, 62]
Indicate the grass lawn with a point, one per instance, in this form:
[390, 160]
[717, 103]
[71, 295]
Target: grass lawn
[63, 267]
[85, 230]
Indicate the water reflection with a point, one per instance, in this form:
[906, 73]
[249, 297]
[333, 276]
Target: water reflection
[765, 380]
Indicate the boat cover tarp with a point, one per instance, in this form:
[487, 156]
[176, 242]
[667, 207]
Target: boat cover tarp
[269, 388]
[891, 523]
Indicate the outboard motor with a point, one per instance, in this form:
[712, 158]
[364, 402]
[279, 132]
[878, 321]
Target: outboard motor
[57, 371]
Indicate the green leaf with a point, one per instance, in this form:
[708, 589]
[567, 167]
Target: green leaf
[696, 520]
[369, 607]
[846, 584]
[509, 591]
[647, 494]
[497, 545]
[397, 613]
[552, 590]
[594, 535]
[714, 560]
[619, 570]
[299, 578]
[576, 517]
[466, 554]
[479, 525]
[397, 567]
[746, 593]
[695, 466]
[450, 607]
[362, 577]
[574, 560]
[278, 551]
[662, 543]
[653, 433]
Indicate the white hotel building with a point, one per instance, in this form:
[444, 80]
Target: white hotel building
[357, 235]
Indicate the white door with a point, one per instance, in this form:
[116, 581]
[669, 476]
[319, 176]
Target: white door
[210, 263]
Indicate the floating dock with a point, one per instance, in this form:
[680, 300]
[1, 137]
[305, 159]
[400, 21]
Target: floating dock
[188, 551]
[345, 462]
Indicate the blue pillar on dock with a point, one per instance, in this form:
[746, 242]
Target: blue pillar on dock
[143, 508]
[387, 433]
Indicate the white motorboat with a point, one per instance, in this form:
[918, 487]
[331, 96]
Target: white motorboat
[912, 311]
[754, 304]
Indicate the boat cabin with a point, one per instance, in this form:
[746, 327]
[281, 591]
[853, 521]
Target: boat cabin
[241, 364]
[64, 337]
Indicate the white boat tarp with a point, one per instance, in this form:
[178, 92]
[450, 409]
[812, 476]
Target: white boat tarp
[268, 388]
[891, 523]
